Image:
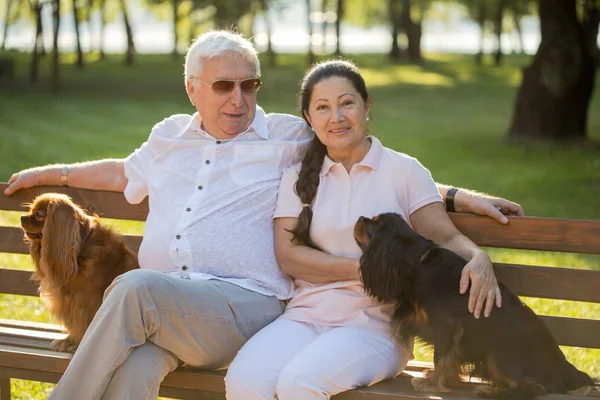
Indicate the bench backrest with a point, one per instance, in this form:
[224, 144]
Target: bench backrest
[556, 235]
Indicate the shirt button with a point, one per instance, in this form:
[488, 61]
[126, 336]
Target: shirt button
[200, 187]
[218, 142]
[178, 236]
[188, 209]
[184, 268]
[207, 161]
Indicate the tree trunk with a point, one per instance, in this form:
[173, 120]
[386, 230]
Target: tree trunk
[6, 23]
[413, 32]
[270, 52]
[35, 54]
[395, 21]
[498, 28]
[79, 62]
[324, 25]
[481, 17]
[311, 55]
[517, 21]
[129, 32]
[590, 25]
[555, 94]
[175, 52]
[54, 70]
[102, 26]
[338, 23]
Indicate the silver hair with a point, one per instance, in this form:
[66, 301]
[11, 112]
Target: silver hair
[214, 43]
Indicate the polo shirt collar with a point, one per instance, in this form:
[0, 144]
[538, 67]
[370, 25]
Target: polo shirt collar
[258, 125]
[371, 160]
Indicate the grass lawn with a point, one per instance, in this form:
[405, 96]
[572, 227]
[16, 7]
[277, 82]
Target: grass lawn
[449, 113]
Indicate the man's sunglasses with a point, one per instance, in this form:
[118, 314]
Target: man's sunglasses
[225, 86]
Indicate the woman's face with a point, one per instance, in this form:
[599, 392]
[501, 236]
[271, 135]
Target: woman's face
[338, 114]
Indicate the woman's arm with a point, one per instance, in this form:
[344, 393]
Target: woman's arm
[432, 222]
[306, 263]
[101, 175]
[482, 204]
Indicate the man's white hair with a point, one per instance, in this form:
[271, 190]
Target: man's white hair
[214, 43]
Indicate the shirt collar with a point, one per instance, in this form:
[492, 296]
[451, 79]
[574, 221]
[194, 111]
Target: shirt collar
[371, 160]
[258, 125]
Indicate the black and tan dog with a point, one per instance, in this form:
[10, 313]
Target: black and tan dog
[512, 348]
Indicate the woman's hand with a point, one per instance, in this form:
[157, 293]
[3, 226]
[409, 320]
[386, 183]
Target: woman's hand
[479, 272]
[483, 204]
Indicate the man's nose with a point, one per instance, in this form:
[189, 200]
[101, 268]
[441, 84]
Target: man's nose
[236, 96]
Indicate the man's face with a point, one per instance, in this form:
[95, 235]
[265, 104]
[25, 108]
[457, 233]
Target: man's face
[223, 116]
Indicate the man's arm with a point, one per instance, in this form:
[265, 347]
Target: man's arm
[101, 175]
[482, 204]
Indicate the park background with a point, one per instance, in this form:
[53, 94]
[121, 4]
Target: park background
[445, 76]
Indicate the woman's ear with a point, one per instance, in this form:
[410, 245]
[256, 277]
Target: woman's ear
[307, 116]
[368, 104]
[61, 240]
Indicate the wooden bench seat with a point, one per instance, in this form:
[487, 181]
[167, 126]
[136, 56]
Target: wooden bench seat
[25, 351]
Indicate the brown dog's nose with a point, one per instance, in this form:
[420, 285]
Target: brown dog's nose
[362, 220]
[23, 219]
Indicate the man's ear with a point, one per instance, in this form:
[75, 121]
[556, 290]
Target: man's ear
[190, 89]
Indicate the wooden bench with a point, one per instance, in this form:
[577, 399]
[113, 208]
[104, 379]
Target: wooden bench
[25, 346]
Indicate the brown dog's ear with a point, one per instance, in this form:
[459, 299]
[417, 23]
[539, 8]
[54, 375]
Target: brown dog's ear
[61, 239]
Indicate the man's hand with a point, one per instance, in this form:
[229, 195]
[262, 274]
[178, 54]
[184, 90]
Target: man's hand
[22, 180]
[484, 286]
[483, 204]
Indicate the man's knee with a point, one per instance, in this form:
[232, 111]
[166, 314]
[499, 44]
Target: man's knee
[133, 282]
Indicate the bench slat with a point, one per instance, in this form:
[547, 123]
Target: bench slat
[524, 280]
[17, 282]
[106, 204]
[12, 241]
[550, 282]
[548, 234]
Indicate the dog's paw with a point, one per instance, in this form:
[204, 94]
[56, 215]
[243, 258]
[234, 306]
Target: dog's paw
[488, 391]
[64, 345]
[428, 384]
[582, 391]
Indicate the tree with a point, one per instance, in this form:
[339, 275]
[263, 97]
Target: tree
[76, 18]
[338, 23]
[311, 54]
[555, 94]
[54, 68]
[129, 32]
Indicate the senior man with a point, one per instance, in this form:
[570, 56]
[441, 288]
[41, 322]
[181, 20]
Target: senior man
[209, 278]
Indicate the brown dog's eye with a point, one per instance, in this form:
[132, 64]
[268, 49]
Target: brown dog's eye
[39, 216]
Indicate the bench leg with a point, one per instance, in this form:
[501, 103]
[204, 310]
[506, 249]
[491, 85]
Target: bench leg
[4, 388]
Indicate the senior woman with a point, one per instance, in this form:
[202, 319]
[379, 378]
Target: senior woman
[333, 337]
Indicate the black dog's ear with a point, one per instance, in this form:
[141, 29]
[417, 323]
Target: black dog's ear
[386, 272]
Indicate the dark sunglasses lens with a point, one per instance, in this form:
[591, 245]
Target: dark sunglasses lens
[223, 87]
[250, 85]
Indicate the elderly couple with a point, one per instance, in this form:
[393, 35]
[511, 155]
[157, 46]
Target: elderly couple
[239, 202]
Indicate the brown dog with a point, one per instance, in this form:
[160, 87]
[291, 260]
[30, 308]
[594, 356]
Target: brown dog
[76, 259]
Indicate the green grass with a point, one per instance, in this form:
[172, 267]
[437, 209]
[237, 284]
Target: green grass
[449, 113]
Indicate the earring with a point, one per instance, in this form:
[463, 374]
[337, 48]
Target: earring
[367, 117]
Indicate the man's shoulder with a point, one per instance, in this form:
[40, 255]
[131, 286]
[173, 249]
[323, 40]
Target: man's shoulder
[287, 127]
[172, 125]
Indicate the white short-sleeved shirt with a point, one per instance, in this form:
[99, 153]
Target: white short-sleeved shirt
[212, 201]
[384, 181]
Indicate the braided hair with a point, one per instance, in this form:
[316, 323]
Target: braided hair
[309, 176]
